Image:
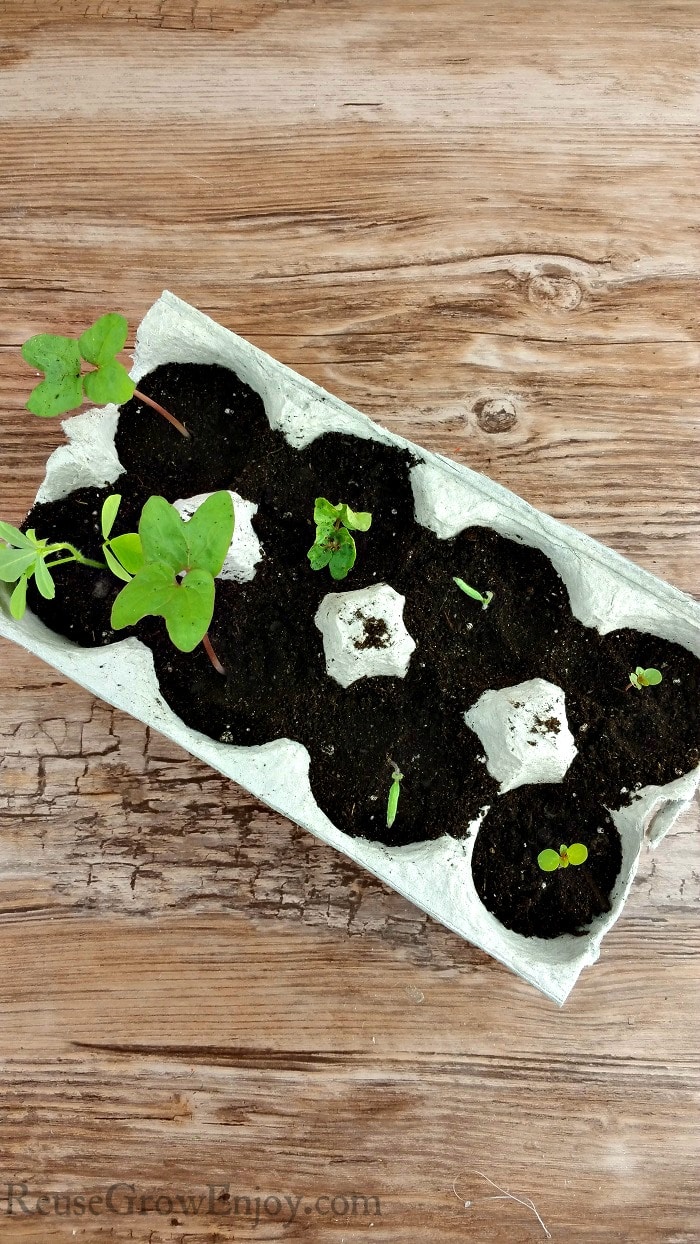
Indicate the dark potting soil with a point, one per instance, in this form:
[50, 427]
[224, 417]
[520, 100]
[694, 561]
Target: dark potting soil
[276, 683]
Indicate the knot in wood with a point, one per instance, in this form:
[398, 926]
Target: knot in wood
[495, 414]
[559, 293]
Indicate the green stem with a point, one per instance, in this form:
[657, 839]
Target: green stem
[76, 556]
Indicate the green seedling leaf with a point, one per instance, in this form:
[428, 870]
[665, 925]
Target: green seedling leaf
[324, 512]
[163, 534]
[110, 383]
[209, 533]
[354, 521]
[114, 565]
[59, 359]
[484, 598]
[128, 550]
[319, 556]
[14, 562]
[577, 853]
[44, 582]
[15, 537]
[110, 509]
[18, 599]
[190, 610]
[148, 593]
[104, 340]
[548, 860]
[394, 792]
[55, 396]
[342, 558]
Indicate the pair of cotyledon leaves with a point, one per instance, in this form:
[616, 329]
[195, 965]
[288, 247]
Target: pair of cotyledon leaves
[60, 359]
[334, 547]
[174, 562]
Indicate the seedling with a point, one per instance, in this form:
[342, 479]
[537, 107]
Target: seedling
[123, 554]
[644, 678]
[24, 556]
[485, 599]
[66, 386]
[394, 792]
[176, 578]
[549, 861]
[334, 547]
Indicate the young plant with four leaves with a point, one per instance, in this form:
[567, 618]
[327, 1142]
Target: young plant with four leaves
[334, 546]
[176, 578]
[24, 556]
[66, 386]
[485, 598]
[549, 860]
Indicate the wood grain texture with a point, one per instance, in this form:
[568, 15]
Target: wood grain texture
[478, 223]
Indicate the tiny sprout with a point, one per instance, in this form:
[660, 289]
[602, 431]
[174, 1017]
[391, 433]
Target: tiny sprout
[65, 386]
[334, 547]
[394, 792]
[645, 678]
[485, 599]
[24, 556]
[550, 860]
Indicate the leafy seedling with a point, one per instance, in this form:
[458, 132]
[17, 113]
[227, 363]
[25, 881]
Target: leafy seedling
[485, 599]
[549, 861]
[176, 578]
[24, 556]
[66, 386]
[123, 554]
[394, 792]
[644, 678]
[334, 547]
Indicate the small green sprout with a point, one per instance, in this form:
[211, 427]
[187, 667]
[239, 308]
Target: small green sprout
[550, 860]
[485, 599]
[334, 546]
[175, 580]
[24, 556]
[123, 554]
[65, 386]
[645, 678]
[394, 792]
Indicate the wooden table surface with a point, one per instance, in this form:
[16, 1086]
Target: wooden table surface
[477, 222]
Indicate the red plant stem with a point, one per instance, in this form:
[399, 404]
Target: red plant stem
[162, 411]
[206, 644]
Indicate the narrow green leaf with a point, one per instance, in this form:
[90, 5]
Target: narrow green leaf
[128, 550]
[110, 509]
[163, 535]
[577, 853]
[14, 562]
[56, 396]
[115, 566]
[209, 533]
[393, 803]
[105, 339]
[14, 536]
[470, 591]
[190, 610]
[44, 582]
[18, 599]
[549, 860]
[110, 383]
[149, 592]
